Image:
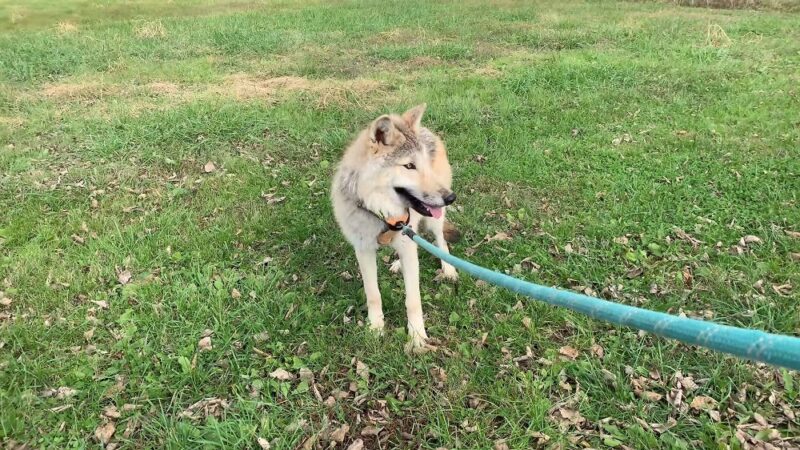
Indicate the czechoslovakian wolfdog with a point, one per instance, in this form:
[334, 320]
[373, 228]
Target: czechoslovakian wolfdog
[396, 172]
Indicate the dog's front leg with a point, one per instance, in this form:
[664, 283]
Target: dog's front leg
[407, 251]
[369, 273]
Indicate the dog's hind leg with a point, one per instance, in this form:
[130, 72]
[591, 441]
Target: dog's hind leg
[369, 273]
[407, 251]
[436, 226]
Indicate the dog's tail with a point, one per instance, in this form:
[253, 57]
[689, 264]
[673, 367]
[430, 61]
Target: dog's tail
[451, 234]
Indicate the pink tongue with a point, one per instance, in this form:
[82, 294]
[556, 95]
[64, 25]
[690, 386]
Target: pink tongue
[435, 212]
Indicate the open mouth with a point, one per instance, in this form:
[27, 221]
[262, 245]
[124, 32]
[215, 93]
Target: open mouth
[420, 206]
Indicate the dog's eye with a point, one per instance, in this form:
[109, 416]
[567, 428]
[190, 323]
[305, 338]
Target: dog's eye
[410, 166]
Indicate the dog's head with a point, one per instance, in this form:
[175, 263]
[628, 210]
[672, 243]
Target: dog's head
[407, 152]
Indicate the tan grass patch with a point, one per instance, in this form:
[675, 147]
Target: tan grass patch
[488, 72]
[164, 88]
[329, 91]
[78, 91]
[716, 36]
[773, 5]
[400, 36]
[150, 30]
[66, 28]
[11, 122]
[17, 16]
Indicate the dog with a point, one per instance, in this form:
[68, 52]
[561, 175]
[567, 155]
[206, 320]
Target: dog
[396, 172]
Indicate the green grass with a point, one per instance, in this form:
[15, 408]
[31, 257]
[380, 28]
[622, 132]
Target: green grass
[568, 126]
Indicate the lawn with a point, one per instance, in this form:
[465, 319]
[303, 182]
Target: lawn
[172, 277]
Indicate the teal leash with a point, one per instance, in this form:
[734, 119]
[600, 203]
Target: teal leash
[775, 349]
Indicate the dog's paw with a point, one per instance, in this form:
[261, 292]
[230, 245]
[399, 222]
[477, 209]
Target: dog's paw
[446, 273]
[377, 327]
[418, 345]
[414, 347]
[396, 266]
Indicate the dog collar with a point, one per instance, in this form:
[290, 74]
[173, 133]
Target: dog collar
[391, 225]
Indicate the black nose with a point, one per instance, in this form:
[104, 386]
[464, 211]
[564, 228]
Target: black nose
[451, 197]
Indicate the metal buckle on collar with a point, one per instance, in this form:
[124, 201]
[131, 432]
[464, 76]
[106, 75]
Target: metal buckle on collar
[397, 226]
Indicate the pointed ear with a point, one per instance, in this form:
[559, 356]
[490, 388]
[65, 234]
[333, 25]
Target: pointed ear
[381, 130]
[413, 117]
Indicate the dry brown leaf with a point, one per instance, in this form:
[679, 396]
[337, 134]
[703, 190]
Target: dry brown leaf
[5, 301]
[794, 256]
[209, 167]
[370, 431]
[78, 240]
[60, 393]
[61, 408]
[702, 402]
[358, 444]
[235, 294]
[661, 428]
[362, 370]
[569, 352]
[626, 137]
[749, 239]
[281, 374]
[633, 273]
[714, 414]
[688, 278]
[541, 438]
[104, 432]
[784, 290]
[793, 234]
[528, 264]
[263, 443]
[306, 374]
[526, 322]
[101, 303]
[501, 236]
[467, 427]
[124, 276]
[439, 374]
[212, 406]
[685, 382]
[567, 417]
[622, 240]
[340, 433]
[760, 420]
[684, 236]
[88, 334]
[204, 344]
[111, 412]
[597, 351]
[500, 444]
[652, 396]
[297, 425]
[271, 199]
